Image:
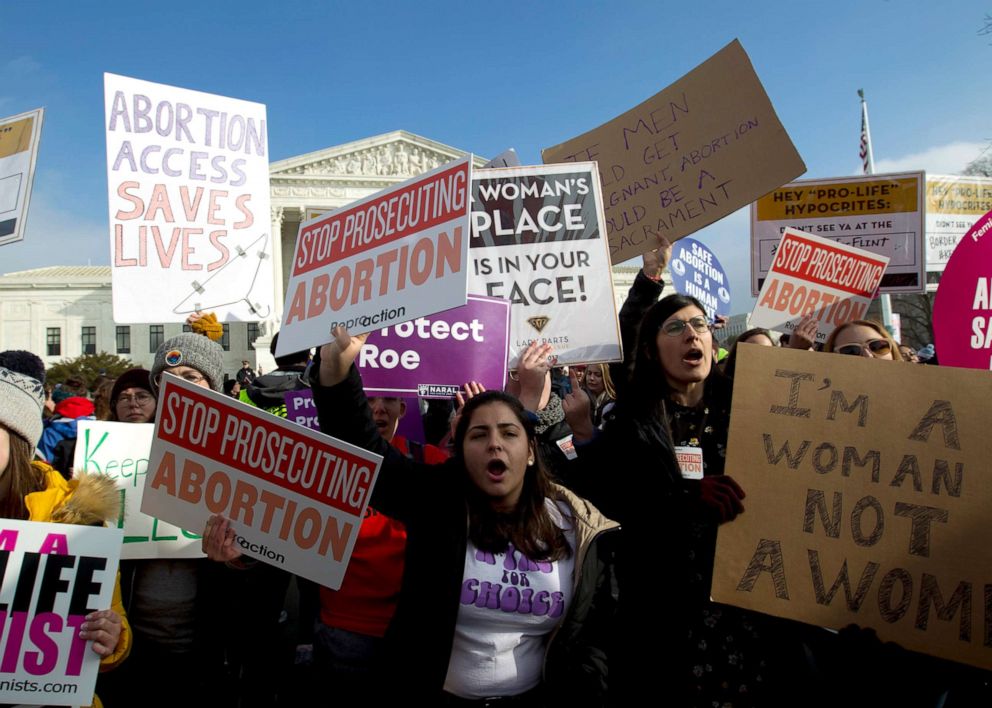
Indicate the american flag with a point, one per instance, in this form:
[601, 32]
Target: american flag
[867, 162]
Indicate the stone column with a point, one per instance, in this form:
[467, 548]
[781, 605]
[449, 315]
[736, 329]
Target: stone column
[277, 218]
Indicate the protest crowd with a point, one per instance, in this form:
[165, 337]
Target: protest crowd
[617, 542]
[602, 513]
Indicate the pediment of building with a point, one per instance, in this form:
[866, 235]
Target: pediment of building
[390, 157]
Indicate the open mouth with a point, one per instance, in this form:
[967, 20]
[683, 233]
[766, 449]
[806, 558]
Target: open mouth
[693, 356]
[496, 469]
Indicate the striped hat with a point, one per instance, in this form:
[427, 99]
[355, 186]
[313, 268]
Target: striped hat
[22, 399]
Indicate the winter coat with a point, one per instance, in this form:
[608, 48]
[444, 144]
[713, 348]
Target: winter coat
[431, 501]
[90, 500]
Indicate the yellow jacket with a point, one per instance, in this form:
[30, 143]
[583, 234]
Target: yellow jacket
[90, 500]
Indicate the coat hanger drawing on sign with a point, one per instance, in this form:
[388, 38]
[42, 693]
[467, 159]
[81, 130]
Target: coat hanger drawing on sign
[209, 296]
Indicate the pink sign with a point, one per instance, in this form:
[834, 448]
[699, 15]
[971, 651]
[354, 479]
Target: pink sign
[962, 311]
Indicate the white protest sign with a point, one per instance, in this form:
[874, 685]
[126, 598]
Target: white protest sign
[188, 181]
[882, 214]
[538, 240]
[389, 258]
[120, 451]
[954, 204]
[295, 498]
[19, 139]
[812, 275]
[53, 576]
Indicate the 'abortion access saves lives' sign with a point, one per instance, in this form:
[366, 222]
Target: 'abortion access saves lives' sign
[120, 451]
[53, 576]
[295, 498]
[396, 255]
[188, 181]
[538, 241]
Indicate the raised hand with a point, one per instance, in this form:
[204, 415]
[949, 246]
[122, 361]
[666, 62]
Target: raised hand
[656, 260]
[533, 371]
[578, 410]
[337, 356]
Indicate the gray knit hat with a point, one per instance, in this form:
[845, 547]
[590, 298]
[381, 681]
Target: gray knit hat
[195, 351]
[22, 399]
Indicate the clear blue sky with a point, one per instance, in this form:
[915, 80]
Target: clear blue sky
[486, 76]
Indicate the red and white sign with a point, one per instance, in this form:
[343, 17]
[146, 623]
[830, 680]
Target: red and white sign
[399, 254]
[813, 275]
[295, 498]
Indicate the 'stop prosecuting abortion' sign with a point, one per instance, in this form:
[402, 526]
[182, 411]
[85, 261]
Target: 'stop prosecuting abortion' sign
[295, 498]
[392, 257]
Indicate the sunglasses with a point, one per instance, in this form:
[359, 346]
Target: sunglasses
[875, 347]
[674, 328]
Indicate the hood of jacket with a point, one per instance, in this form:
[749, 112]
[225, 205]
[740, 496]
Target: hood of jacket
[75, 407]
[270, 390]
[89, 500]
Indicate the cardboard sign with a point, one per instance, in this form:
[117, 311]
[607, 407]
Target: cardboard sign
[53, 576]
[434, 357]
[813, 275]
[294, 497]
[954, 203]
[878, 213]
[538, 241]
[389, 258]
[188, 180]
[20, 136]
[507, 158]
[700, 149]
[120, 451]
[962, 310]
[696, 271]
[868, 490]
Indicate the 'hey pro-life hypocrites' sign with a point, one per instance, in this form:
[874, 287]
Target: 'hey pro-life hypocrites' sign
[295, 498]
[394, 256]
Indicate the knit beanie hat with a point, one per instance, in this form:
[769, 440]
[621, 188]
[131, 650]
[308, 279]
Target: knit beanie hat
[132, 378]
[195, 351]
[22, 399]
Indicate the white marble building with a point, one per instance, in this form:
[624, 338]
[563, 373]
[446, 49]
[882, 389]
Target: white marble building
[61, 312]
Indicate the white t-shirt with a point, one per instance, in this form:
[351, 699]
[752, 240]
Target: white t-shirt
[509, 607]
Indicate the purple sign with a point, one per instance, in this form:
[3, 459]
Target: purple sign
[432, 357]
[300, 409]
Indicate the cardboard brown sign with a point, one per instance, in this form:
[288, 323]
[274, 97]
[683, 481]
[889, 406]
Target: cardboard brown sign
[868, 495]
[693, 153]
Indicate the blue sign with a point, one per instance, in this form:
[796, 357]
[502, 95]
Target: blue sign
[696, 271]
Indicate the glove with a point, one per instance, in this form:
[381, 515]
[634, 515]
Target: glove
[721, 497]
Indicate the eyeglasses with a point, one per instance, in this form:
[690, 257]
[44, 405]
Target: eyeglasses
[875, 347]
[141, 398]
[674, 328]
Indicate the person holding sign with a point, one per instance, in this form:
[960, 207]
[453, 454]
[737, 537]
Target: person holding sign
[34, 491]
[498, 558]
[670, 428]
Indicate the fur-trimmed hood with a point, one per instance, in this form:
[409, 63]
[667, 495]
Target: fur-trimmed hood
[88, 500]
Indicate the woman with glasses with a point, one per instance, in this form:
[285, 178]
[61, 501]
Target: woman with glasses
[863, 338]
[131, 398]
[658, 468]
[167, 599]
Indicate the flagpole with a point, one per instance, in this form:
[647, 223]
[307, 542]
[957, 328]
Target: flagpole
[868, 164]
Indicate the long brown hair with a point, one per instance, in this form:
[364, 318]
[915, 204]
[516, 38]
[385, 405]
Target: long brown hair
[24, 478]
[529, 527]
